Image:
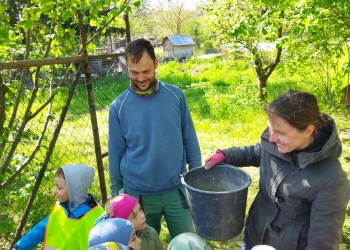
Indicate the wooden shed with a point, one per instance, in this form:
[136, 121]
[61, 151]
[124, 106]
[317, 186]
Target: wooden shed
[178, 47]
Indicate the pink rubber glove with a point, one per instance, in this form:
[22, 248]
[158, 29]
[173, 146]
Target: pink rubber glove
[214, 159]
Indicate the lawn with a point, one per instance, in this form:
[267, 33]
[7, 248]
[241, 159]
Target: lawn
[226, 110]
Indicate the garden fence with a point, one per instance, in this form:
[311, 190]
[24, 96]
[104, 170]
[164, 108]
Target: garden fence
[53, 113]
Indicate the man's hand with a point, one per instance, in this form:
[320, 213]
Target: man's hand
[214, 159]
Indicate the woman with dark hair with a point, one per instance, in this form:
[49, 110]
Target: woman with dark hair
[303, 190]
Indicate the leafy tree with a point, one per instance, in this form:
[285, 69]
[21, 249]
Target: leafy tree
[323, 29]
[163, 18]
[39, 29]
[157, 19]
[308, 31]
[52, 40]
[143, 23]
[241, 26]
[174, 17]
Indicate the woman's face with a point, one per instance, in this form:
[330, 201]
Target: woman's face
[137, 217]
[134, 242]
[288, 138]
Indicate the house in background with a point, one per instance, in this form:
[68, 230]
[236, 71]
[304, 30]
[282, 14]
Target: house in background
[178, 47]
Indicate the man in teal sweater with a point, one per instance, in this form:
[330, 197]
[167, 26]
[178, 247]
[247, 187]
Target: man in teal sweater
[151, 139]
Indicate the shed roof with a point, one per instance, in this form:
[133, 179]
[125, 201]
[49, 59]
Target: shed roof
[179, 40]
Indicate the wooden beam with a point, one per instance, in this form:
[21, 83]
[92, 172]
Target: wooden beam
[57, 60]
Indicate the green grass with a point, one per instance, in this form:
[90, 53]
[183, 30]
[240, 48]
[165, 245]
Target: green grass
[223, 99]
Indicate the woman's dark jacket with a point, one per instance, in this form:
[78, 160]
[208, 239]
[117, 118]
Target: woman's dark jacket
[303, 195]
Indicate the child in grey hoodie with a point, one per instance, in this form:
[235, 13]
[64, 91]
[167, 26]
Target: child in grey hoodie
[73, 215]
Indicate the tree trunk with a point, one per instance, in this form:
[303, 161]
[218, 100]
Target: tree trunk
[262, 79]
[262, 89]
[345, 99]
[263, 73]
[3, 91]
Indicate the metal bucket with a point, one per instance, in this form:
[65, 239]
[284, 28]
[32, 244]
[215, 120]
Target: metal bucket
[217, 200]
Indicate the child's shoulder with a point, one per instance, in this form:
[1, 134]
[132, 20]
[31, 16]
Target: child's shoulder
[150, 239]
[149, 232]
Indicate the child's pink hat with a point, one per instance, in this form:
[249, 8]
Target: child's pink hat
[123, 208]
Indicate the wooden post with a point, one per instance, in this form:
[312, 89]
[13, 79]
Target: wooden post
[127, 28]
[93, 116]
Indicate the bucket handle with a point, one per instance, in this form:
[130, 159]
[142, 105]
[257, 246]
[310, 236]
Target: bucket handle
[182, 178]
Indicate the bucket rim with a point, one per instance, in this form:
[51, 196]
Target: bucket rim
[217, 192]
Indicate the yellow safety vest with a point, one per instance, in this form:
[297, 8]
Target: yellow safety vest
[66, 233]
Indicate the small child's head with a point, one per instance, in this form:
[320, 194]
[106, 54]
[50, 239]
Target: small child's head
[188, 241]
[126, 207]
[110, 246]
[114, 230]
[263, 247]
[72, 182]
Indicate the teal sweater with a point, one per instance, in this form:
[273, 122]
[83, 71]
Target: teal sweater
[150, 141]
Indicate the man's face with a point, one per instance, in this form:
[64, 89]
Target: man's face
[142, 74]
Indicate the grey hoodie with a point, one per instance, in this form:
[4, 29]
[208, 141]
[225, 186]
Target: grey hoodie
[79, 178]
